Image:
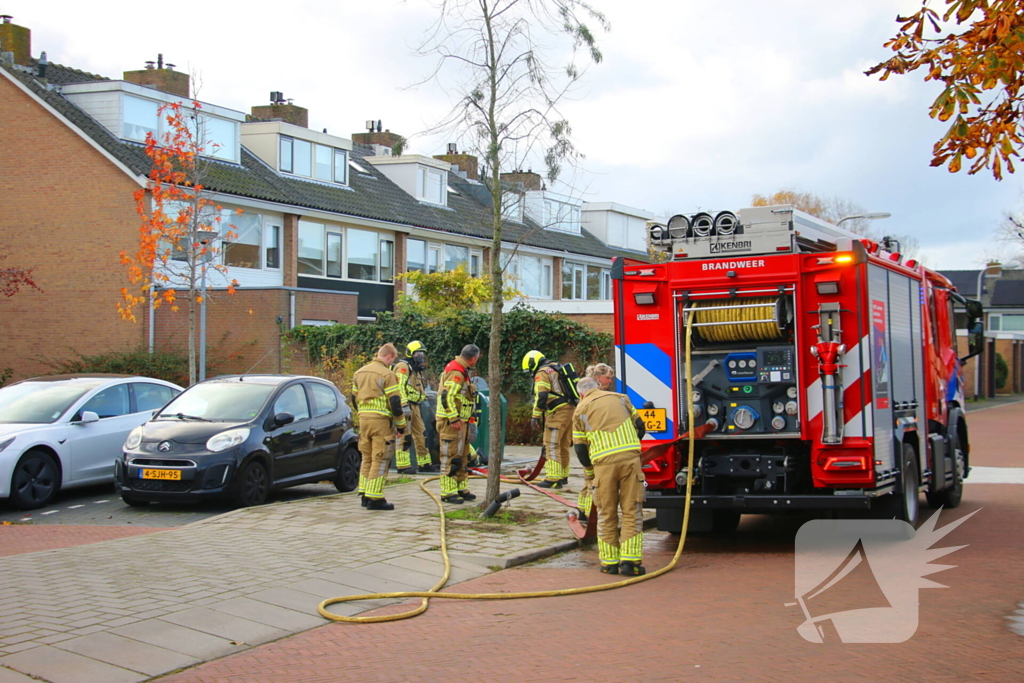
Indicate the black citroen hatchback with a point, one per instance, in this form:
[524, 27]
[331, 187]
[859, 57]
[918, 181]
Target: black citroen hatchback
[241, 437]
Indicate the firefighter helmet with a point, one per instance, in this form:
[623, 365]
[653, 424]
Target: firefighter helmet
[413, 347]
[533, 360]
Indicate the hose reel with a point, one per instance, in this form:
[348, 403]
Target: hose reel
[763, 318]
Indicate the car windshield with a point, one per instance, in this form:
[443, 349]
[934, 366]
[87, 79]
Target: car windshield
[218, 402]
[40, 402]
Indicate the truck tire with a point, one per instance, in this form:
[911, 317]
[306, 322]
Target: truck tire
[951, 496]
[902, 503]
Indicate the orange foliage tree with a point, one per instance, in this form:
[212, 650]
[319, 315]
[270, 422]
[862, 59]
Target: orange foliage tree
[180, 223]
[982, 67]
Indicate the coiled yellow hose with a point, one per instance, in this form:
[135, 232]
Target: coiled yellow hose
[433, 592]
[761, 308]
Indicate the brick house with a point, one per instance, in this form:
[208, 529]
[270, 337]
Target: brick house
[326, 224]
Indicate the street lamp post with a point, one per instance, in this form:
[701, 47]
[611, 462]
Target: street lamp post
[869, 216]
[204, 237]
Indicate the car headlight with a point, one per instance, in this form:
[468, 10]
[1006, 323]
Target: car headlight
[134, 439]
[225, 440]
[5, 444]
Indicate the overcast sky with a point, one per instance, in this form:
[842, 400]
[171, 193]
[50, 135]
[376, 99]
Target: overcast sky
[697, 105]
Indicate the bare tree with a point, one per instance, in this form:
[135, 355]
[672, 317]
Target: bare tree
[500, 61]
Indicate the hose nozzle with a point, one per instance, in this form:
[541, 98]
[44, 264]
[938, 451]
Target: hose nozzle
[498, 502]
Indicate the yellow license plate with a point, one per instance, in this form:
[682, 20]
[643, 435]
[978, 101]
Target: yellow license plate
[174, 475]
[655, 419]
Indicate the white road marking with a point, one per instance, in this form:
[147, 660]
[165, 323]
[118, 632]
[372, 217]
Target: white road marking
[49, 512]
[73, 507]
[97, 502]
[995, 475]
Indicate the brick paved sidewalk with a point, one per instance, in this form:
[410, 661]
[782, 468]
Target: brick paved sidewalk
[130, 609]
[16, 539]
[720, 616]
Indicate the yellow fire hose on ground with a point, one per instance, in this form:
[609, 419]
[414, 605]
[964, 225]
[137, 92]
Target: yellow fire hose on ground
[434, 592]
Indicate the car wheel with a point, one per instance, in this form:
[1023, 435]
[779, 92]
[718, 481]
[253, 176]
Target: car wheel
[134, 502]
[35, 482]
[347, 478]
[253, 485]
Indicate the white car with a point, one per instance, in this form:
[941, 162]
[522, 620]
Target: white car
[66, 430]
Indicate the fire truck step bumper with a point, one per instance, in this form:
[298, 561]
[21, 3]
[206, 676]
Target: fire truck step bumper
[755, 504]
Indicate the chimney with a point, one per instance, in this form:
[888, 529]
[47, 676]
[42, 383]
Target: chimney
[16, 39]
[528, 179]
[163, 79]
[376, 136]
[281, 109]
[466, 162]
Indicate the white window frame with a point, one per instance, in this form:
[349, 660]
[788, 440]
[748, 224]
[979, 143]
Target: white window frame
[423, 181]
[268, 231]
[311, 171]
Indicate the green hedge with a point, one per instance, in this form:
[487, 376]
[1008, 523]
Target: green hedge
[523, 329]
[1002, 371]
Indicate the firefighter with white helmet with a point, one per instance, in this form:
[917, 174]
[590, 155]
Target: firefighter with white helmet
[551, 403]
[606, 432]
[413, 387]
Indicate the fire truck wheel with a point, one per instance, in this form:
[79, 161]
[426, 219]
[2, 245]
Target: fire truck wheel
[950, 497]
[902, 503]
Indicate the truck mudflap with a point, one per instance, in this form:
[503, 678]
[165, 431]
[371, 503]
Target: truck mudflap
[756, 504]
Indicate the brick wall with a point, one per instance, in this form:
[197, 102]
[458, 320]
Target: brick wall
[66, 211]
[242, 329]
[600, 322]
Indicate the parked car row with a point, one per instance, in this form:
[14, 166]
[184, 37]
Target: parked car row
[233, 437]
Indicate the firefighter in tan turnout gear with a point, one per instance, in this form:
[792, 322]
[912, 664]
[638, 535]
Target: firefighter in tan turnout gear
[551, 405]
[379, 403]
[604, 375]
[455, 407]
[413, 387]
[606, 433]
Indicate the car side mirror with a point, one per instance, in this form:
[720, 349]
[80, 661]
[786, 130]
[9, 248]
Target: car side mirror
[87, 417]
[282, 419]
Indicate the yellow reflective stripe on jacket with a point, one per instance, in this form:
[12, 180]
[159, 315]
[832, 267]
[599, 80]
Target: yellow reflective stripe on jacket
[409, 391]
[377, 405]
[602, 444]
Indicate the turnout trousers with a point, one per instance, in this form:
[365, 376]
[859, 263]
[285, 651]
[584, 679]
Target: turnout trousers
[377, 445]
[557, 441]
[403, 458]
[454, 448]
[618, 491]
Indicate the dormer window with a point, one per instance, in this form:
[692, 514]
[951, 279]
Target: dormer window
[311, 160]
[141, 116]
[431, 185]
[561, 216]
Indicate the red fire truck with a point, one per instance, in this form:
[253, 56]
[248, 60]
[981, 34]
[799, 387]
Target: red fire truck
[824, 369]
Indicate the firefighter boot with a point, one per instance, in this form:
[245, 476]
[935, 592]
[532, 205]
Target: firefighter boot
[549, 484]
[466, 494]
[627, 568]
[379, 504]
[609, 569]
[452, 498]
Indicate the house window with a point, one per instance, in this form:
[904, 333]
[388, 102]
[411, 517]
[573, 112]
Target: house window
[242, 249]
[531, 274]
[593, 283]
[311, 248]
[416, 255]
[363, 246]
[455, 256]
[302, 157]
[387, 261]
[474, 264]
[431, 185]
[606, 284]
[218, 138]
[434, 259]
[334, 254]
[273, 253]
[140, 117]
[585, 282]
[340, 166]
[546, 280]
[1011, 322]
[324, 166]
[286, 155]
[512, 206]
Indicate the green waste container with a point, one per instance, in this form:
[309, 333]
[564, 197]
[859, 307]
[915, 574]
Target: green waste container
[481, 443]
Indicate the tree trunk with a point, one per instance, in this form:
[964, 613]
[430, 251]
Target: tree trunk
[496, 444]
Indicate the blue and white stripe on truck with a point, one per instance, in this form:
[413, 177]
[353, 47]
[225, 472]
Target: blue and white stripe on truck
[648, 372]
